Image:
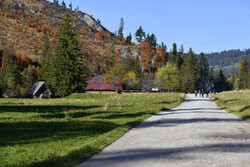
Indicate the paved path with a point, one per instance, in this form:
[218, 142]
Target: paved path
[195, 134]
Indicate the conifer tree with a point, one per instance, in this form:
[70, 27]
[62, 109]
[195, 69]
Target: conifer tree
[3, 83]
[14, 80]
[190, 72]
[140, 34]
[179, 58]
[66, 71]
[3, 76]
[204, 67]
[121, 28]
[244, 77]
[132, 63]
[129, 39]
[221, 83]
[29, 75]
[174, 49]
[173, 56]
[147, 39]
[164, 47]
[153, 40]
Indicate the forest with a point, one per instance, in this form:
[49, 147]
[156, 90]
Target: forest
[227, 57]
[68, 52]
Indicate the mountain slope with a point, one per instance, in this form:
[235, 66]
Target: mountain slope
[228, 61]
[24, 22]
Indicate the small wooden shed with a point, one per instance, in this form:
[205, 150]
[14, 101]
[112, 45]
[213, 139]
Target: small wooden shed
[38, 90]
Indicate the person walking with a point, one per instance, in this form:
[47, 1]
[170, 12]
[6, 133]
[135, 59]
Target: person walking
[195, 92]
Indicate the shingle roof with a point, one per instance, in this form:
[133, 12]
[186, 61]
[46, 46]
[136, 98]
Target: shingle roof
[33, 90]
[98, 83]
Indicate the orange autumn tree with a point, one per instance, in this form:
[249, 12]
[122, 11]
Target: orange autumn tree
[147, 54]
[24, 61]
[160, 58]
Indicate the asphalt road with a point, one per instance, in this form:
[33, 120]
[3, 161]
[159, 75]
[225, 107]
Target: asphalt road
[195, 134]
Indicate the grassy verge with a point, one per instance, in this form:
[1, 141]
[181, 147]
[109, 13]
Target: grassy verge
[64, 132]
[236, 102]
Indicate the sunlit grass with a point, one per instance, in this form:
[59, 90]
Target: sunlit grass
[236, 102]
[64, 132]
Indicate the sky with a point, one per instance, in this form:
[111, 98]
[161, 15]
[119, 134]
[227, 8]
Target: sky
[203, 25]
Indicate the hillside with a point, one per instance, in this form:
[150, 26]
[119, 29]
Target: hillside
[24, 22]
[228, 61]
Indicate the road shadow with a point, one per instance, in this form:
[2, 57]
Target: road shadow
[181, 153]
[194, 112]
[245, 108]
[195, 109]
[169, 122]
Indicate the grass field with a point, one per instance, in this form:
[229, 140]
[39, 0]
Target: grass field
[64, 132]
[236, 102]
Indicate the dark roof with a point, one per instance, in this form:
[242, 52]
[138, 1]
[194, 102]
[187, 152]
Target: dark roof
[98, 83]
[35, 88]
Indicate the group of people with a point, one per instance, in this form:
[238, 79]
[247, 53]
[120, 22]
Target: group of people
[201, 93]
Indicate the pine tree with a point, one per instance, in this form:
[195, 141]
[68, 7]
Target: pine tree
[244, 77]
[129, 39]
[164, 47]
[3, 83]
[153, 40]
[179, 58]
[3, 76]
[15, 80]
[110, 60]
[190, 72]
[204, 67]
[221, 83]
[131, 64]
[121, 28]
[173, 56]
[148, 39]
[66, 71]
[140, 34]
[29, 75]
[174, 49]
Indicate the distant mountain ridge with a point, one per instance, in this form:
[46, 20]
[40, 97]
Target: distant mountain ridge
[227, 58]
